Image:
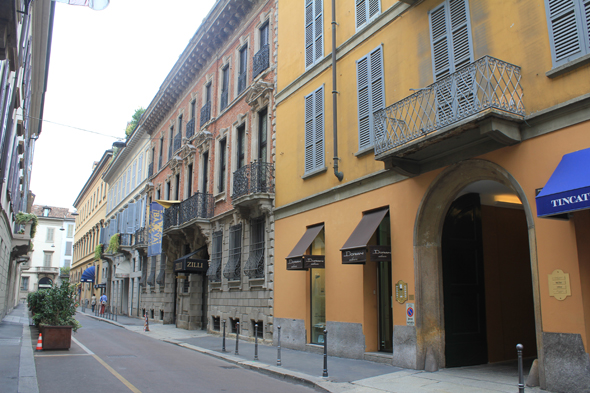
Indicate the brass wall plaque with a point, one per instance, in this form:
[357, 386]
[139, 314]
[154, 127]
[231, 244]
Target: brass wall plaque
[559, 285]
[401, 291]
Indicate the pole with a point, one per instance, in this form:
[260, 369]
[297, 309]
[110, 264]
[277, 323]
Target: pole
[223, 342]
[325, 373]
[255, 341]
[519, 348]
[279, 348]
[237, 337]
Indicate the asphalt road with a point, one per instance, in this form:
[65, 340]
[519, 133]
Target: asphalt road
[106, 358]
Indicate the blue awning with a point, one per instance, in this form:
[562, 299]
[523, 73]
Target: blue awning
[88, 275]
[568, 188]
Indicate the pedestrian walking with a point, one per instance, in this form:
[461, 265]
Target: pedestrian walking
[93, 301]
[103, 302]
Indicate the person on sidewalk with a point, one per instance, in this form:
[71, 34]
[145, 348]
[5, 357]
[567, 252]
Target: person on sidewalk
[93, 301]
[103, 302]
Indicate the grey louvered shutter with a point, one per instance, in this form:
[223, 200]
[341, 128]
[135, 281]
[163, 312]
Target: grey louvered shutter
[377, 90]
[319, 128]
[309, 33]
[133, 172]
[371, 95]
[314, 31]
[319, 29]
[461, 33]
[309, 132]
[128, 182]
[569, 29]
[140, 169]
[131, 218]
[361, 13]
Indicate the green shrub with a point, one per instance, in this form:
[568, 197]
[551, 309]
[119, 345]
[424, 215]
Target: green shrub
[55, 306]
[114, 244]
[22, 218]
[98, 252]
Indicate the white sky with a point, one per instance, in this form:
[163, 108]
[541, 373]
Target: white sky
[104, 65]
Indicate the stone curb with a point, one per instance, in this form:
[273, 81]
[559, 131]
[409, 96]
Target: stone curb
[273, 371]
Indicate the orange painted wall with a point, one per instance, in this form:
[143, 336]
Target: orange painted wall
[582, 221]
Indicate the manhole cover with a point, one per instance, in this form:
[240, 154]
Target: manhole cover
[121, 356]
[9, 341]
[228, 367]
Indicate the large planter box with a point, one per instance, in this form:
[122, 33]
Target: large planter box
[56, 337]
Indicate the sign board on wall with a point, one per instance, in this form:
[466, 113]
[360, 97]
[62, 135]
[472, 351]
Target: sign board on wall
[410, 314]
[559, 285]
[401, 291]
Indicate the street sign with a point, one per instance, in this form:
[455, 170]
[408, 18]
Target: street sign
[410, 314]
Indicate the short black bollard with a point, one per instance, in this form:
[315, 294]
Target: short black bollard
[279, 348]
[325, 373]
[255, 341]
[237, 337]
[519, 348]
[223, 341]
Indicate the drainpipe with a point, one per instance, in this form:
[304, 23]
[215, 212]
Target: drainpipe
[339, 175]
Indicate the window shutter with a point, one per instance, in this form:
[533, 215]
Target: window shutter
[139, 169]
[319, 29]
[374, 8]
[319, 128]
[362, 75]
[309, 132]
[377, 90]
[131, 218]
[133, 172]
[371, 95]
[314, 31]
[439, 39]
[49, 234]
[309, 33]
[361, 13]
[128, 182]
[565, 27]
[461, 33]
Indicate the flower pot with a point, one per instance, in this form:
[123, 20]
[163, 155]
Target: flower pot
[56, 337]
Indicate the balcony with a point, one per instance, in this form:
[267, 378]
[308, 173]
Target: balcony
[44, 270]
[242, 82]
[126, 239]
[224, 99]
[260, 61]
[472, 111]
[190, 128]
[205, 113]
[177, 141]
[140, 238]
[150, 170]
[197, 206]
[253, 182]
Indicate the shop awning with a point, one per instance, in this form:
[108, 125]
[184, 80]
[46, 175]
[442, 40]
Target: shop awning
[165, 203]
[355, 248]
[123, 269]
[88, 275]
[295, 259]
[568, 188]
[190, 264]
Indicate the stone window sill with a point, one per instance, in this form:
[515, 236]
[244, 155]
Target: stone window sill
[314, 172]
[570, 66]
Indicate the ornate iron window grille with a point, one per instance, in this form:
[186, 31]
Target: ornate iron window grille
[171, 216]
[205, 113]
[214, 271]
[484, 84]
[177, 141]
[233, 267]
[242, 82]
[260, 61]
[253, 178]
[198, 205]
[190, 128]
[224, 99]
[254, 267]
[151, 169]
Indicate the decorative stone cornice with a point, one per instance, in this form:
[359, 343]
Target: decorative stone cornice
[259, 94]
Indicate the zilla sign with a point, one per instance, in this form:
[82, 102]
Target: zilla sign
[191, 266]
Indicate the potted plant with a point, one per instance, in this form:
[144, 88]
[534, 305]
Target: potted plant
[54, 311]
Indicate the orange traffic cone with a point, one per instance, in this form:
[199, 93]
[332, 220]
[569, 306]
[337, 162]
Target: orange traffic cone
[40, 343]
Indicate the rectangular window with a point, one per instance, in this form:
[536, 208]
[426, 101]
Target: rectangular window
[241, 154]
[314, 32]
[569, 29]
[161, 153]
[167, 194]
[24, 283]
[140, 169]
[366, 11]
[233, 267]
[179, 125]
[264, 35]
[262, 135]
[47, 258]
[68, 249]
[205, 177]
[314, 130]
[224, 87]
[49, 237]
[171, 140]
[318, 292]
[186, 286]
[221, 179]
[243, 69]
[254, 267]
[214, 271]
[450, 35]
[133, 178]
[189, 188]
[70, 232]
[370, 95]
[193, 113]
[177, 188]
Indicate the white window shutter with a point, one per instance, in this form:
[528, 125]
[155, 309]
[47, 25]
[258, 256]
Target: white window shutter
[362, 78]
[319, 128]
[374, 8]
[309, 132]
[319, 29]
[361, 13]
[309, 33]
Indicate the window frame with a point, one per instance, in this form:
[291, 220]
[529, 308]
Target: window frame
[367, 10]
[583, 36]
[315, 166]
[369, 86]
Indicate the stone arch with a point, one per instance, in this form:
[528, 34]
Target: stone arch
[430, 333]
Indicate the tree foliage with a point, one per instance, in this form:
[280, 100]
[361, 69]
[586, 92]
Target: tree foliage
[54, 306]
[134, 122]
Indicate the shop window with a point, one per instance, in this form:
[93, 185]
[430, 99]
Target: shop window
[318, 292]
[216, 323]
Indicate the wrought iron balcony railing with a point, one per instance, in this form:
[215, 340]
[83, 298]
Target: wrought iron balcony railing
[252, 178]
[150, 169]
[125, 239]
[190, 128]
[224, 99]
[205, 113]
[487, 83]
[242, 82]
[197, 206]
[260, 61]
[140, 238]
[177, 141]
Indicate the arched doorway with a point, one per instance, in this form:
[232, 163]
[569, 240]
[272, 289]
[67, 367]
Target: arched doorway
[457, 193]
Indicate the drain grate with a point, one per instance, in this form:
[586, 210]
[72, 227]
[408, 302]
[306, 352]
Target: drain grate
[9, 341]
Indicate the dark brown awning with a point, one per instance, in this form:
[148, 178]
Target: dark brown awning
[355, 248]
[295, 258]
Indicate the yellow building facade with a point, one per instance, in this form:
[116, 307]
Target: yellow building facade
[451, 117]
[91, 208]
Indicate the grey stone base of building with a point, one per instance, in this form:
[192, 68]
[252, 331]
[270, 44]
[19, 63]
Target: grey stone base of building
[566, 363]
[404, 346]
[293, 333]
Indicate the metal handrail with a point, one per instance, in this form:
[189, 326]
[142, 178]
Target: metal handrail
[205, 113]
[190, 128]
[487, 83]
[253, 178]
[177, 141]
[260, 61]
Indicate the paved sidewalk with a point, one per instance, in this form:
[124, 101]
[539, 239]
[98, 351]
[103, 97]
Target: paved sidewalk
[17, 365]
[345, 375]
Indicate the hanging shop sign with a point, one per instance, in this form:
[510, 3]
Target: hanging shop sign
[296, 260]
[100, 286]
[185, 265]
[355, 250]
[354, 256]
[380, 253]
[314, 261]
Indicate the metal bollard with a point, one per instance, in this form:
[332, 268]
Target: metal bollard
[325, 373]
[223, 342]
[237, 337]
[279, 348]
[255, 341]
[519, 348]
